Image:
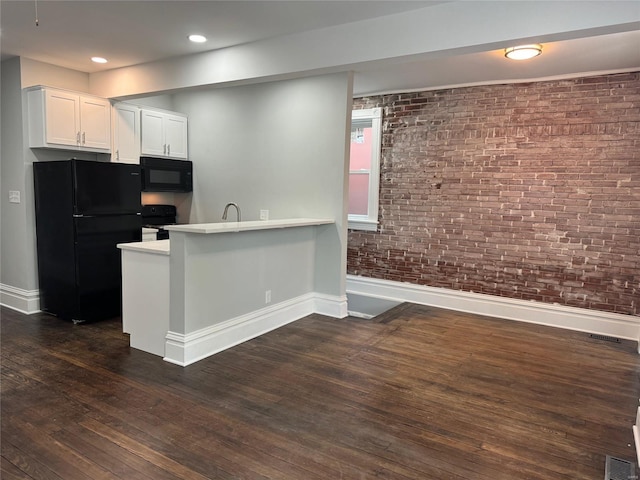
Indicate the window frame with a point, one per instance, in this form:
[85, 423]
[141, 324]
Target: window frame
[369, 222]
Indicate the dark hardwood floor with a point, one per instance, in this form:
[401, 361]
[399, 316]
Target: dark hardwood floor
[419, 393]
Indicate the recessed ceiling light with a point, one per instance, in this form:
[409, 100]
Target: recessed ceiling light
[523, 52]
[98, 60]
[198, 38]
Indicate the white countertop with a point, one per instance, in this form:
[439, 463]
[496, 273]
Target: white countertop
[162, 247]
[158, 247]
[227, 227]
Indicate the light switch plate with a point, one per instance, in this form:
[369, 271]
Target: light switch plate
[14, 196]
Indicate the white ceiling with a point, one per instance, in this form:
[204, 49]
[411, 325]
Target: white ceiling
[134, 32]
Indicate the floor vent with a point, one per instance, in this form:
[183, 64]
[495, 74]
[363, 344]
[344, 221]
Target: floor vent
[605, 338]
[617, 469]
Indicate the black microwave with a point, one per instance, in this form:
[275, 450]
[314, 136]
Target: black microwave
[166, 175]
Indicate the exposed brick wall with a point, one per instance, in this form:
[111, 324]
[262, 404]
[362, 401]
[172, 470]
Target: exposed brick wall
[528, 191]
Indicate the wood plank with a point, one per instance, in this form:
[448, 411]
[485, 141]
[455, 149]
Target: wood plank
[422, 393]
[17, 464]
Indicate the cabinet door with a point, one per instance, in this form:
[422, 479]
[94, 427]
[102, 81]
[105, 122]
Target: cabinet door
[152, 134]
[95, 123]
[126, 134]
[62, 118]
[176, 136]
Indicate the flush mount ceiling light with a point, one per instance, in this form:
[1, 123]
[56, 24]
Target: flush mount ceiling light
[98, 60]
[197, 38]
[523, 52]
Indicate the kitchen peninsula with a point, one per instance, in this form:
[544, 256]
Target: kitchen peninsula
[214, 285]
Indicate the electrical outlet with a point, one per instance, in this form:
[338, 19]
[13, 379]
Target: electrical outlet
[14, 196]
[267, 296]
[264, 214]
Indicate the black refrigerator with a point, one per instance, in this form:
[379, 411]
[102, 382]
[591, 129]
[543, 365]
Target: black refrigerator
[84, 209]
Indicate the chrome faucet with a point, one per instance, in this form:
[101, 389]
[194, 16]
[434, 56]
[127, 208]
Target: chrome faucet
[224, 215]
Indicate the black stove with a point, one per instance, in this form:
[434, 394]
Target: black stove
[158, 216]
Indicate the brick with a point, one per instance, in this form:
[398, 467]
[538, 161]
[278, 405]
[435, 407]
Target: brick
[525, 191]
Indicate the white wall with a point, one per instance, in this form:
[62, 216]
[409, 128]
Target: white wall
[279, 260]
[15, 230]
[164, 102]
[417, 34]
[18, 275]
[278, 146]
[39, 73]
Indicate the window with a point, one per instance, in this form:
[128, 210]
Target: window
[364, 168]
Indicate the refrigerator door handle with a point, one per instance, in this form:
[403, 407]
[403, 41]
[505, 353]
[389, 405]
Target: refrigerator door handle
[75, 215]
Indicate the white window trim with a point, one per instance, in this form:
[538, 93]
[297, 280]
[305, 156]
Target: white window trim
[370, 222]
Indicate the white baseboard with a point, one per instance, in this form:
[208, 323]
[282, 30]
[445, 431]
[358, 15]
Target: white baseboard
[186, 349]
[24, 301]
[636, 434]
[330, 305]
[571, 318]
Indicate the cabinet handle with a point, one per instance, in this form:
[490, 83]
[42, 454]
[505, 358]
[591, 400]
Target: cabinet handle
[117, 154]
[164, 149]
[169, 149]
[78, 138]
[83, 137]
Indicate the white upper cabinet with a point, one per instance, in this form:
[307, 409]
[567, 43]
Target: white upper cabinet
[62, 117]
[176, 136]
[68, 120]
[95, 123]
[163, 134]
[126, 133]
[152, 134]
